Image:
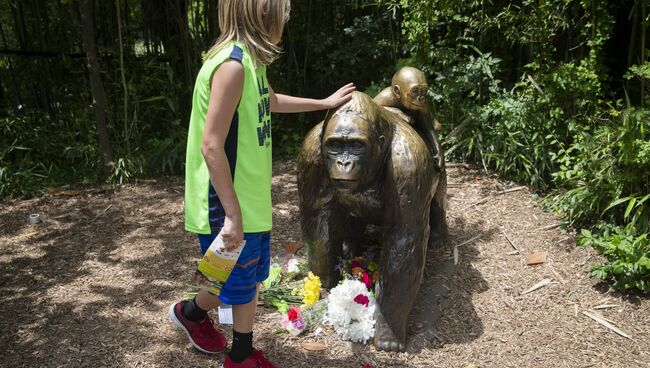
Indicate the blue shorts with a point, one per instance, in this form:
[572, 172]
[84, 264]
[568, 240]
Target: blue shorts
[252, 267]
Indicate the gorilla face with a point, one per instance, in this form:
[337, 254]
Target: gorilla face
[411, 89]
[415, 96]
[347, 150]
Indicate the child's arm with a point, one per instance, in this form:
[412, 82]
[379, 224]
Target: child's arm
[226, 89]
[286, 103]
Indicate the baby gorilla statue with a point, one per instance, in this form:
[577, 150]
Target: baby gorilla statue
[365, 165]
[407, 97]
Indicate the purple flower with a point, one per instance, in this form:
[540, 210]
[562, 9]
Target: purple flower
[299, 324]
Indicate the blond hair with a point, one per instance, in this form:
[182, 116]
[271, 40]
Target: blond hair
[255, 23]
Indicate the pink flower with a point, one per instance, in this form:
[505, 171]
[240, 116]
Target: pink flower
[366, 280]
[362, 299]
[367, 365]
[293, 313]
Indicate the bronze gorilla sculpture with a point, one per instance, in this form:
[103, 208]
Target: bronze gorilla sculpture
[407, 97]
[366, 165]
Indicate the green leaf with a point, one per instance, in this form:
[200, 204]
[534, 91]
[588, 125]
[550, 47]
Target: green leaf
[615, 203]
[281, 305]
[630, 207]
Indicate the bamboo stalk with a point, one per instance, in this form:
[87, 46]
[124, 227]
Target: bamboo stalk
[123, 74]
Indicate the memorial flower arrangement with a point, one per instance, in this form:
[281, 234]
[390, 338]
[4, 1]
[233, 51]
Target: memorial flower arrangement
[292, 321]
[351, 311]
[311, 289]
[362, 270]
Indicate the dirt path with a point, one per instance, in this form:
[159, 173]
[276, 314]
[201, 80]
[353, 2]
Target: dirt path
[90, 286]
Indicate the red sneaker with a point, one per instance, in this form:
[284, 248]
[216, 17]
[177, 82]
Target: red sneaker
[202, 334]
[256, 360]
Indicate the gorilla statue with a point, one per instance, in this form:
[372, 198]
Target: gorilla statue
[367, 165]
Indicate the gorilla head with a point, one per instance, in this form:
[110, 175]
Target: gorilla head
[409, 86]
[354, 143]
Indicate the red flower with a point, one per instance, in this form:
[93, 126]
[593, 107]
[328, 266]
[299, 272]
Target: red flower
[366, 280]
[293, 313]
[355, 263]
[361, 299]
[367, 365]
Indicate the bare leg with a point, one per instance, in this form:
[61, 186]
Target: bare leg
[206, 300]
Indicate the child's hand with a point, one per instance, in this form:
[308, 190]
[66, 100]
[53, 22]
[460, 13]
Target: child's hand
[343, 95]
[232, 233]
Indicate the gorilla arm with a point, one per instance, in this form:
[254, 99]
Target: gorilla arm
[408, 190]
[322, 224]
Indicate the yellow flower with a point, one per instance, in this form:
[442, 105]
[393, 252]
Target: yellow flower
[311, 289]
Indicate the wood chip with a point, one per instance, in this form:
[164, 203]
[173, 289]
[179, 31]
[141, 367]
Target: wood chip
[539, 285]
[313, 346]
[291, 248]
[65, 192]
[605, 306]
[537, 258]
[603, 321]
[603, 300]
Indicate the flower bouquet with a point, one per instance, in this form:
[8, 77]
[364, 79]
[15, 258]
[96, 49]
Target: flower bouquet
[351, 311]
[292, 321]
[361, 269]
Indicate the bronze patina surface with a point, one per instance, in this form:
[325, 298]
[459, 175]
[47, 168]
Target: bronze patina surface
[367, 165]
[407, 96]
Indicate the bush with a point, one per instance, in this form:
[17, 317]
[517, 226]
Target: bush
[605, 173]
[627, 253]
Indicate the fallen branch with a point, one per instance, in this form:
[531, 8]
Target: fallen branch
[539, 285]
[455, 248]
[466, 166]
[470, 240]
[603, 321]
[537, 87]
[516, 189]
[605, 306]
[509, 240]
[549, 227]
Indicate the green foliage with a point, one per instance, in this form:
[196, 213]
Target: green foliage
[31, 157]
[535, 107]
[606, 173]
[627, 253]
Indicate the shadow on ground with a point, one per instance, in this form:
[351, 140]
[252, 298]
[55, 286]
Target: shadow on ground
[444, 312]
[55, 310]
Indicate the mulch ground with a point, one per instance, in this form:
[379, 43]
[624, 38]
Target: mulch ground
[90, 286]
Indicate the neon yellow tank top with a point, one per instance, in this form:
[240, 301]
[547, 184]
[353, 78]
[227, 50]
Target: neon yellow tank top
[248, 148]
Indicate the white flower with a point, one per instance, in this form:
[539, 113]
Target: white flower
[351, 320]
[292, 265]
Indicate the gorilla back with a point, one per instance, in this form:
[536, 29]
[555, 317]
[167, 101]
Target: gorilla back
[365, 165]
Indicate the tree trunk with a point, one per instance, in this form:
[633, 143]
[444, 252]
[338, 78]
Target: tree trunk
[99, 95]
[213, 21]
